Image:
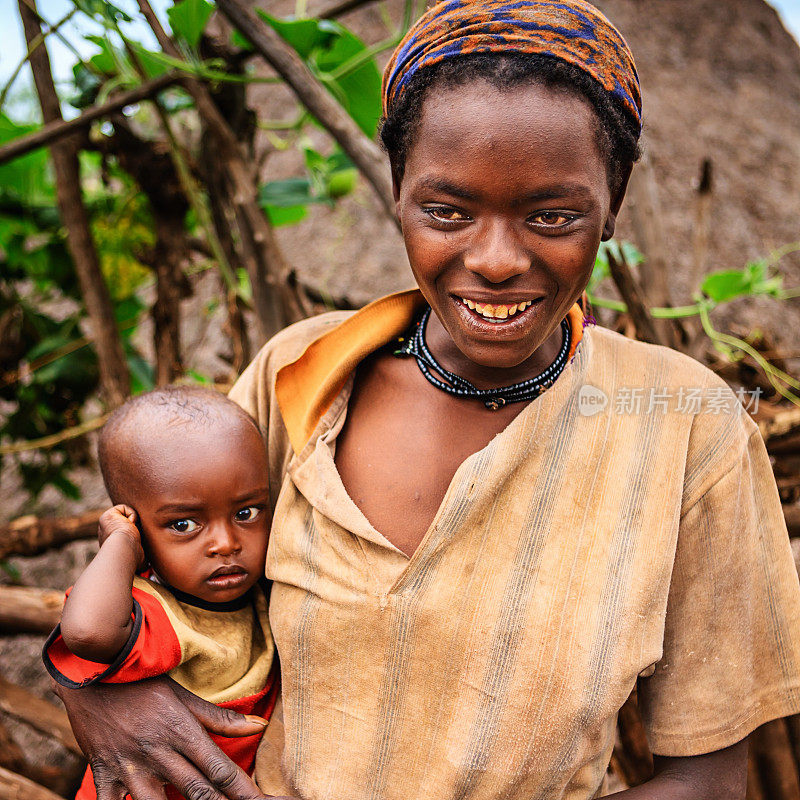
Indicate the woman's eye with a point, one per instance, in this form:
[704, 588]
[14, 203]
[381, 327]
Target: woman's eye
[552, 219]
[184, 526]
[247, 514]
[443, 214]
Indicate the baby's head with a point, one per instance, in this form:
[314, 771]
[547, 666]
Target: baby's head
[193, 466]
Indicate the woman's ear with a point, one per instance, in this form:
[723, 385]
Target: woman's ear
[396, 180]
[616, 203]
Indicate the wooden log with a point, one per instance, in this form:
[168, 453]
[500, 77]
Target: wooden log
[31, 535]
[39, 714]
[15, 787]
[24, 609]
[57, 780]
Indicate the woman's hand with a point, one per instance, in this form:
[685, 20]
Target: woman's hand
[139, 736]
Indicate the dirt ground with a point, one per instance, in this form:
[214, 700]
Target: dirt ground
[721, 82]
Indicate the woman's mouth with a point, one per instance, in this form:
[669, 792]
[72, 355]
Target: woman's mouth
[497, 313]
[227, 577]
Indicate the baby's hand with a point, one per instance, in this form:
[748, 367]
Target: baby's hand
[121, 519]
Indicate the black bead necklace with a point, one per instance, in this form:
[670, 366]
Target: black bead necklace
[413, 344]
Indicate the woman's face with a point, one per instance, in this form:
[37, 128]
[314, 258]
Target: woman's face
[503, 204]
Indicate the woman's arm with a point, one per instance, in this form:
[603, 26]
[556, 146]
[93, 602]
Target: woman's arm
[138, 736]
[96, 622]
[721, 775]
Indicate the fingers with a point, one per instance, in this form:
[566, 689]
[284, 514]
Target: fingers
[127, 512]
[106, 786]
[218, 720]
[145, 787]
[215, 777]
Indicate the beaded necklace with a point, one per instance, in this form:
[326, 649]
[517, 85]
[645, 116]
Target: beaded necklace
[414, 345]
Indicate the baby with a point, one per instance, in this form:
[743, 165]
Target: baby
[177, 586]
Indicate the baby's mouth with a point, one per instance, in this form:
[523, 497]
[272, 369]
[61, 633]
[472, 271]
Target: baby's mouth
[496, 312]
[227, 575]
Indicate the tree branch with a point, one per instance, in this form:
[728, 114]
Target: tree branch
[53, 131]
[276, 305]
[340, 7]
[364, 153]
[633, 297]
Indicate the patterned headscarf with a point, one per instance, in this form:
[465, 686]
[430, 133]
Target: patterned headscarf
[571, 30]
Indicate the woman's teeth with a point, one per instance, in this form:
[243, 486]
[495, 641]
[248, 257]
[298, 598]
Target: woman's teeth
[495, 312]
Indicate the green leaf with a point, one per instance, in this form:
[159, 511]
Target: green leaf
[285, 215]
[286, 193]
[87, 84]
[26, 179]
[754, 279]
[11, 570]
[326, 45]
[102, 10]
[360, 90]
[189, 18]
[198, 377]
[304, 35]
[342, 182]
[726, 285]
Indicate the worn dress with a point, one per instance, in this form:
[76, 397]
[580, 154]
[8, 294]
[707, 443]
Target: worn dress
[616, 533]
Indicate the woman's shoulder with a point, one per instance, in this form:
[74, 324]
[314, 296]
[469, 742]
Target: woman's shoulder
[289, 344]
[645, 364]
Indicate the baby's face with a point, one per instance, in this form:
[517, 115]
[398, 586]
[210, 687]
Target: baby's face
[200, 493]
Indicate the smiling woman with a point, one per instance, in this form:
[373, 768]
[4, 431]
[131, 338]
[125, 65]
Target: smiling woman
[472, 567]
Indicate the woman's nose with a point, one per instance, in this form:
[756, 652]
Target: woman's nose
[223, 541]
[496, 252]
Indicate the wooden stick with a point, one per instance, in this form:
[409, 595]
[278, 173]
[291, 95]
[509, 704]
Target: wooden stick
[276, 306]
[365, 154]
[634, 299]
[24, 609]
[31, 535]
[113, 367]
[336, 9]
[53, 131]
[39, 714]
[15, 787]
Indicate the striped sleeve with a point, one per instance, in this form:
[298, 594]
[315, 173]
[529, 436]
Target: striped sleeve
[152, 649]
[731, 649]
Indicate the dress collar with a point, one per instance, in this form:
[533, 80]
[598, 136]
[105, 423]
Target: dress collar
[306, 387]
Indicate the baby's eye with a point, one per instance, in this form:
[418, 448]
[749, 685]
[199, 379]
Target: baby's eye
[184, 526]
[444, 214]
[247, 514]
[552, 219]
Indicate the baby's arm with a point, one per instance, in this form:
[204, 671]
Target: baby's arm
[96, 622]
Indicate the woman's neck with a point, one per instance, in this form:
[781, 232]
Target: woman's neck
[451, 358]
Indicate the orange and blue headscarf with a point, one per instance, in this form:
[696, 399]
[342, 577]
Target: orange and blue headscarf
[571, 30]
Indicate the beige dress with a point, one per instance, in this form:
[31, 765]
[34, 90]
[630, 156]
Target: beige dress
[587, 547]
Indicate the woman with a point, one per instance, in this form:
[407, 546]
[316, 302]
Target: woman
[490, 524]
